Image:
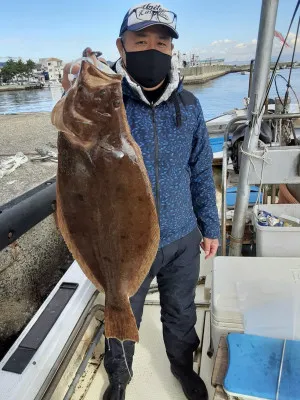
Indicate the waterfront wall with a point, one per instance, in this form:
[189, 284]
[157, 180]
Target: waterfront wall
[16, 88]
[29, 269]
[191, 75]
[195, 75]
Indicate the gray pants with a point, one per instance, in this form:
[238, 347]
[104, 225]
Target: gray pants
[176, 268]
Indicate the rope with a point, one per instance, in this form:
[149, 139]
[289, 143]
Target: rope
[288, 86]
[15, 161]
[45, 155]
[266, 160]
[124, 354]
[12, 163]
[290, 73]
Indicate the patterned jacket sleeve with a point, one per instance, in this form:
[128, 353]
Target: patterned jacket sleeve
[202, 182]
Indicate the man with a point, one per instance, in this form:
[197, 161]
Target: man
[167, 123]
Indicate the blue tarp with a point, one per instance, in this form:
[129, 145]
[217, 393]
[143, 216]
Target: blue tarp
[231, 195]
[254, 365]
[216, 144]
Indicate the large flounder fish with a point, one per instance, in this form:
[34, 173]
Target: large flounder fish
[105, 206]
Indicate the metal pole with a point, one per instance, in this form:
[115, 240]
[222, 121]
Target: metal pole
[224, 181]
[258, 92]
[85, 361]
[250, 76]
[224, 192]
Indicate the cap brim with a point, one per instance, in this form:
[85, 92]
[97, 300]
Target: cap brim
[144, 24]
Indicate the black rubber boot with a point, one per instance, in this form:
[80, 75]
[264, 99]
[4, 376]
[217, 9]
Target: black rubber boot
[118, 374]
[115, 391]
[118, 382]
[192, 385]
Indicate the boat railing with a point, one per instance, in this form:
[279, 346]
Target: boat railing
[24, 212]
[276, 154]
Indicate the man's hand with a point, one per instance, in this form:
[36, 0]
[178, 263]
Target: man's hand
[65, 79]
[76, 67]
[210, 247]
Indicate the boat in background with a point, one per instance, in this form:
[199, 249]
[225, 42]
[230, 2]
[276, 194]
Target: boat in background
[216, 127]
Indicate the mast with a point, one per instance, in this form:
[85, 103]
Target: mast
[257, 95]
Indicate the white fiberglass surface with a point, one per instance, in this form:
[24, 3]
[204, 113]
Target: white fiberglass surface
[152, 378]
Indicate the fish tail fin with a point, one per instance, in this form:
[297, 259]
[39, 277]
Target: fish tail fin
[120, 322]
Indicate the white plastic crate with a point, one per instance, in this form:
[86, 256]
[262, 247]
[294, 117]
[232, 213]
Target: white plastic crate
[277, 241]
[243, 287]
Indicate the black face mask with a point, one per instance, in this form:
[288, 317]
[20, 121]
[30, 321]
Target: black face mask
[149, 67]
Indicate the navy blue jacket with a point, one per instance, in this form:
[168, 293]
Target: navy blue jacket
[175, 145]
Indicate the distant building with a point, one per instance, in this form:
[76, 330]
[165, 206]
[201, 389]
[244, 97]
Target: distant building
[193, 60]
[52, 68]
[212, 61]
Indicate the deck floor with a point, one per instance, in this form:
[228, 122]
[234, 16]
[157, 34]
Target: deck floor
[152, 378]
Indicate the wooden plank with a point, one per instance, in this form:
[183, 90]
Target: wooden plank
[217, 162]
[221, 363]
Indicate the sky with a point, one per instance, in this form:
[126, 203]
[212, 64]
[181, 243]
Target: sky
[210, 28]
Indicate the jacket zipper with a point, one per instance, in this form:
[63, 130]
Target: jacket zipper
[156, 163]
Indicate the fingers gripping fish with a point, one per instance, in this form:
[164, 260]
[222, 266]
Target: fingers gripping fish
[105, 206]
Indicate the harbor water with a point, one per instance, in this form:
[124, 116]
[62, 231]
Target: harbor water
[216, 96]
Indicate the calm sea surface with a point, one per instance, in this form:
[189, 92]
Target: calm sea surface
[216, 96]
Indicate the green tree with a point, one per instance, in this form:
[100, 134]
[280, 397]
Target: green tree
[17, 69]
[29, 67]
[9, 71]
[20, 68]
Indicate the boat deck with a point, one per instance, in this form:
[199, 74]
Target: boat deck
[152, 378]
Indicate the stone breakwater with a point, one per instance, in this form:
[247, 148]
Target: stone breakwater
[195, 75]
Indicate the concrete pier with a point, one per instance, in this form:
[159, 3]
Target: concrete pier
[194, 75]
[33, 264]
[16, 88]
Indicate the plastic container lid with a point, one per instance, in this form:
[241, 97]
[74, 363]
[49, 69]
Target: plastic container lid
[254, 366]
[228, 271]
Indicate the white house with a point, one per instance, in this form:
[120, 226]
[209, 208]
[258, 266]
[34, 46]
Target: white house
[54, 67]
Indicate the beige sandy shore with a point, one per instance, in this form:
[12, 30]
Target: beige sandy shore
[24, 133]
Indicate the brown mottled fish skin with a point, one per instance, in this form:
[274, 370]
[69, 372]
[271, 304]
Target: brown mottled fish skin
[105, 206]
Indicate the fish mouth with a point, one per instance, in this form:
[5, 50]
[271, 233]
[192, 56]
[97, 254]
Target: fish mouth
[88, 68]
